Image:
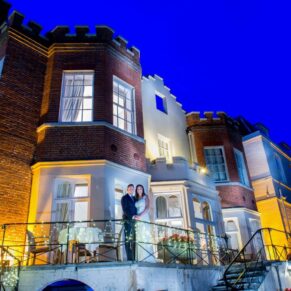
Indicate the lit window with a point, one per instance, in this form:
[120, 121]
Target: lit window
[71, 200]
[77, 97]
[215, 163]
[161, 207]
[241, 167]
[123, 106]
[206, 213]
[161, 103]
[168, 207]
[164, 147]
[1, 66]
[174, 206]
[197, 209]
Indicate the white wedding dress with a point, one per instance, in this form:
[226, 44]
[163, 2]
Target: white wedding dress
[144, 247]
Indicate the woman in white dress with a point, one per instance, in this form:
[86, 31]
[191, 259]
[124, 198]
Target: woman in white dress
[144, 247]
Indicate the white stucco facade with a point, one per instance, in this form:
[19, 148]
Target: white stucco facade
[170, 125]
[240, 224]
[123, 277]
[102, 177]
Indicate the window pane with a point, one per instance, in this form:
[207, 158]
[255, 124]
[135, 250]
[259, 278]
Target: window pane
[81, 190]
[121, 101]
[174, 206]
[88, 91]
[114, 109]
[129, 127]
[115, 121]
[87, 103]
[122, 97]
[62, 211]
[87, 115]
[76, 87]
[81, 211]
[161, 207]
[88, 79]
[215, 163]
[121, 123]
[128, 116]
[121, 112]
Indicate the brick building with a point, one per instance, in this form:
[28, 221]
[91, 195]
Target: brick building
[71, 126]
[269, 166]
[216, 144]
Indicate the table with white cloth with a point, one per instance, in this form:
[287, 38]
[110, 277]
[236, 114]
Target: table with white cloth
[90, 236]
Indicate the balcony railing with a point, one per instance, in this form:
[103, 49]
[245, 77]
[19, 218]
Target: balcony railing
[52, 243]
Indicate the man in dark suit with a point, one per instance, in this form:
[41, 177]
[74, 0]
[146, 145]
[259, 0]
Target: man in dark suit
[129, 210]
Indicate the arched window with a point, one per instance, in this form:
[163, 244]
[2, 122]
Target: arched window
[197, 208]
[206, 213]
[174, 206]
[161, 207]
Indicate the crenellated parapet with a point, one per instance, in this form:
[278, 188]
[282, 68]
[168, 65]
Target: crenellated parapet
[160, 81]
[61, 34]
[209, 118]
[178, 170]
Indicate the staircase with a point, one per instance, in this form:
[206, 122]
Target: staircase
[248, 269]
[249, 279]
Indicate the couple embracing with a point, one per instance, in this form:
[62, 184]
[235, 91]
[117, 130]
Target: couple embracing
[135, 205]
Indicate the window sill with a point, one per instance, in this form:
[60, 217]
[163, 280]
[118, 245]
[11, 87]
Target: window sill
[86, 124]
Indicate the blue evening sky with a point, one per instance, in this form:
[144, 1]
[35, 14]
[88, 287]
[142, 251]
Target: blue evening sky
[231, 55]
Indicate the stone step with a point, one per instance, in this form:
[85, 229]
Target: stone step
[248, 274]
[256, 279]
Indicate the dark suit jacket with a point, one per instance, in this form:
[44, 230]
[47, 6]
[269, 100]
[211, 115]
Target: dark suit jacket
[128, 207]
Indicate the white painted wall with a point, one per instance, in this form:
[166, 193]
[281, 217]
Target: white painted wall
[123, 277]
[242, 217]
[256, 158]
[171, 125]
[102, 177]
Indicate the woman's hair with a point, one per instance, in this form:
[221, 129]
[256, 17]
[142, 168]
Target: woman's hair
[143, 192]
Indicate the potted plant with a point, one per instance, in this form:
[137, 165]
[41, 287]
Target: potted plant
[177, 248]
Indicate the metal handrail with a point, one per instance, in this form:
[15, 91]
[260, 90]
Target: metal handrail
[241, 253]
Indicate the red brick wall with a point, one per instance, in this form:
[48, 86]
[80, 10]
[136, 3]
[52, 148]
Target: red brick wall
[105, 65]
[21, 88]
[236, 196]
[218, 132]
[89, 143]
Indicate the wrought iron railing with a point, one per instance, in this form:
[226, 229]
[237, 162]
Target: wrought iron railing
[266, 245]
[105, 241]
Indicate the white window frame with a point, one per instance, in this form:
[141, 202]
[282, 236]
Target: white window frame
[71, 200]
[168, 142]
[165, 102]
[81, 72]
[166, 196]
[224, 158]
[237, 232]
[246, 181]
[133, 107]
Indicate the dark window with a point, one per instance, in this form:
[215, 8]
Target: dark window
[161, 104]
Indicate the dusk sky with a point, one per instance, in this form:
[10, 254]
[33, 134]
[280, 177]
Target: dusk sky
[232, 56]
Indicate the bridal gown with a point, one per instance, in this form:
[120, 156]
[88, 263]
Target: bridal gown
[144, 247]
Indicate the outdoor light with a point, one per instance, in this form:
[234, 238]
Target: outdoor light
[203, 170]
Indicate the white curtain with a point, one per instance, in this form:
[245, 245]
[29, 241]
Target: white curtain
[73, 101]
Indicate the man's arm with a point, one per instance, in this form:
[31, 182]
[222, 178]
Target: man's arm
[126, 207]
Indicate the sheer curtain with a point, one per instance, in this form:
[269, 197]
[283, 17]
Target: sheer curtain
[72, 105]
[64, 191]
